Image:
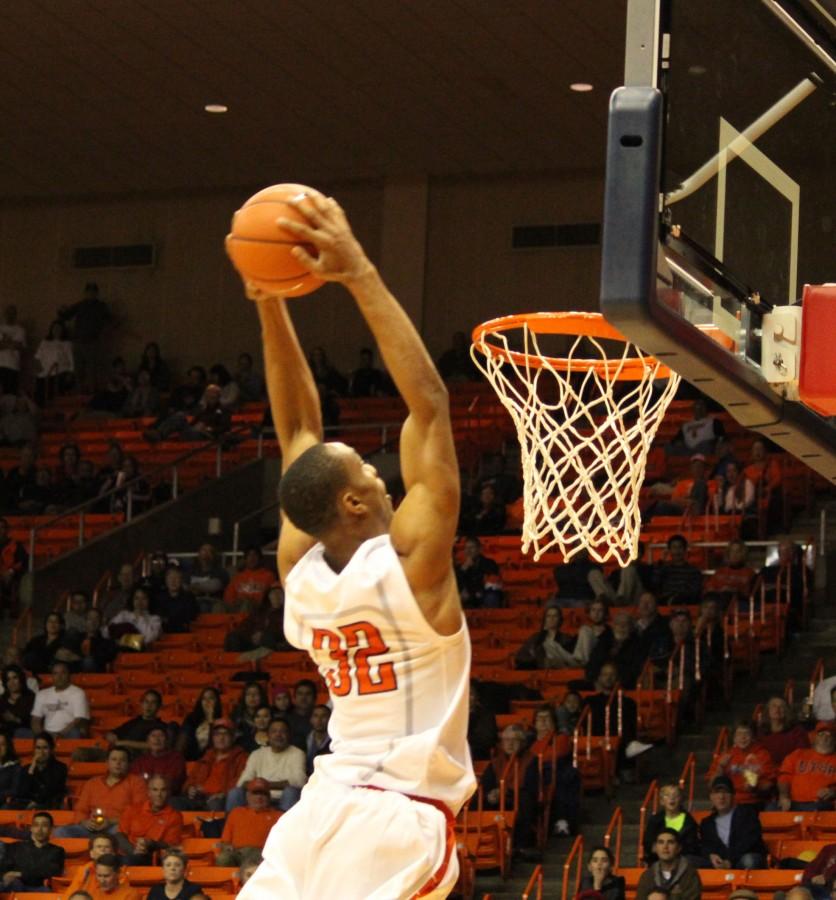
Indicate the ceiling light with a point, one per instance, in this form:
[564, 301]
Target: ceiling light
[697, 70]
[216, 108]
[580, 87]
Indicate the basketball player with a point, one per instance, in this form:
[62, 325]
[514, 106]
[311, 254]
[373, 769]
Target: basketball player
[370, 594]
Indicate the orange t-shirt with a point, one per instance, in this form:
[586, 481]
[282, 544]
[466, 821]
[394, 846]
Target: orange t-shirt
[731, 580]
[123, 892]
[113, 800]
[755, 759]
[247, 827]
[163, 827]
[542, 746]
[217, 776]
[84, 879]
[249, 586]
[807, 772]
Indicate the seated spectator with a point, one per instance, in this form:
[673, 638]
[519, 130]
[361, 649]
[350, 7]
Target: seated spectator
[478, 578]
[45, 778]
[814, 711]
[11, 774]
[548, 740]
[20, 476]
[92, 651]
[39, 497]
[676, 580]
[299, 715]
[764, 471]
[780, 734]
[13, 563]
[152, 363]
[548, 648]
[84, 877]
[66, 471]
[683, 497]
[546, 732]
[216, 773]
[118, 595]
[620, 646]
[19, 424]
[175, 885]
[599, 875]
[319, 741]
[749, 767]
[246, 827]
[11, 656]
[671, 874]
[250, 383]
[154, 580]
[672, 816]
[75, 619]
[257, 736]
[263, 629]
[735, 493]
[116, 390]
[579, 581]
[282, 702]
[366, 380]
[61, 710]
[143, 400]
[176, 605]
[16, 702]
[161, 760]
[28, 864]
[132, 735]
[54, 364]
[210, 420]
[108, 884]
[482, 733]
[820, 874]
[249, 586]
[733, 581]
[186, 396]
[135, 622]
[589, 633]
[195, 733]
[569, 712]
[208, 579]
[230, 396]
[326, 377]
[683, 657]
[502, 472]
[253, 697]
[700, 434]
[40, 651]
[280, 764]
[653, 629]
[730, 837]
[148, 827]
[133, 493]
[104, 798]
[807, 778]
[488, 515]
[455, 363]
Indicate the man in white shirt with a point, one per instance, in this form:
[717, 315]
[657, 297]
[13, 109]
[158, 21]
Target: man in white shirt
[12, 342]
[823, 709]
[62, 709]
[280, 764]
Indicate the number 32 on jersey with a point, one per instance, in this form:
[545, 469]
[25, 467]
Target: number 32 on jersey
[351, 647]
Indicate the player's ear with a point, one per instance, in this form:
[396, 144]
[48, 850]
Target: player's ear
[352, 505]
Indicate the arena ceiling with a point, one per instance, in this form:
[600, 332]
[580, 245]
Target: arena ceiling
[102, 97]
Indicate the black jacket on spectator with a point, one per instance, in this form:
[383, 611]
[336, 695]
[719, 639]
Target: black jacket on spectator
[745, 835]
[689, 836]
[677, 583]
[46, 788]
[35, 864]
[629, 716]
[39, 652]
[612, 888]
[628, 656]
[177, 612]
[471, 580]
[17, 714]
[656, 640]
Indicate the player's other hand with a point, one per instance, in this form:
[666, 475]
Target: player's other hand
[339, 254]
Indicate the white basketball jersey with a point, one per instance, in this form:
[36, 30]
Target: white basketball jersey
[399, 689]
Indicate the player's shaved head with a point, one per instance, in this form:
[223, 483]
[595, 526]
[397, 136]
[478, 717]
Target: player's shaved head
[309, 488]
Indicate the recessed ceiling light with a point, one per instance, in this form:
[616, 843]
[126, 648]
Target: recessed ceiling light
[216, 108]
[580, 87]
[697, 70]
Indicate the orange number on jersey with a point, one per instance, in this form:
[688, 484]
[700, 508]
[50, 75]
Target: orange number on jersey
[360, 641]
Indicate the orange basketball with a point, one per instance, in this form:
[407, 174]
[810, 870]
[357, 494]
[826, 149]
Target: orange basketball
[260, 249]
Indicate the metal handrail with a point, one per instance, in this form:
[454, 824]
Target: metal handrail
[84, 507]
[236, 528]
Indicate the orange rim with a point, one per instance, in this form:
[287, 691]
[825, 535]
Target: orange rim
[573, 324]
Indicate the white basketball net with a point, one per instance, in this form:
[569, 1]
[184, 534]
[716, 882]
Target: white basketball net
[584, 449]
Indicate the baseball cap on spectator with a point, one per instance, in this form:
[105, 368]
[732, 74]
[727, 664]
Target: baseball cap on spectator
[722, 783]
[223, 723]
[825, 726]
[258, 786]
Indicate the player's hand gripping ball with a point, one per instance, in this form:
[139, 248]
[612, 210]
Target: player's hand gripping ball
[260, 249]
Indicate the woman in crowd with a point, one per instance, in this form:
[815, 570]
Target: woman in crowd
[780, 733]
[16, 702]
[599, 875]
[253, 697]
[11, 774]
[40, 652]
[230, 392]
[144, 399]
[136, 620]
[93, 650]
[588, 634]
[174, 886]
[45, 778]
[263, 627]
[282, 701]
[54, 364]
[569, 712]
[154, 365]
[140, 490]
[749, 766]
[549, 648]
[258, 735]
[672, 815]
[195, 733]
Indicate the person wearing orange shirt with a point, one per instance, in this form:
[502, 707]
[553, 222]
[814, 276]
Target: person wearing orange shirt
[249, 586]
[84, 877]
[735, 579]
[151, 826]
[567, 797]
[749, 766]
[215, 773]
[807, 778]
[104, 798]
[246, 828]
[108, 884]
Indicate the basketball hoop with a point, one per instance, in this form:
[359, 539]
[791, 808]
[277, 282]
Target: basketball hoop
[585, 425]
